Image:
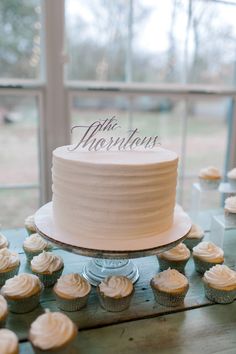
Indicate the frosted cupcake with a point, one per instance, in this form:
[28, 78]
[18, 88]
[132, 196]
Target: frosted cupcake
[115, 293]
[206, 255]
[230, 211]
[194, 236]
[8, 342]
[30, 225]
[22, 292]
[176, 258]
[53, 332]
[209, 178]
[3, 311]
[220, 284]
[34, 245]
[48, 267]
[9, 264]
[169, 287]
[232, 178]
[72, 292]
[4, 243]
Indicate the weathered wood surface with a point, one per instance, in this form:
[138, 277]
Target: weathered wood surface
[207, 330]
[143, 304]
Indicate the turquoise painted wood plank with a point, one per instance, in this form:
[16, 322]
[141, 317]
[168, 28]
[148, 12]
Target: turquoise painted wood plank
[207, 330]
[143, 304]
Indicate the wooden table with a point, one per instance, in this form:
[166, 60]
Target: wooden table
[198, 326]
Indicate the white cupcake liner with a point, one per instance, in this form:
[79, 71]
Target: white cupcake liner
[4, 276]
[71, 304]
[23, 305]
[230, 218]
[164, 264]
[49, 280]
[202, 266]
[169, 299]
[209, 184]
[114, 304]
[218, 295]
[232, 182]
[69, 348]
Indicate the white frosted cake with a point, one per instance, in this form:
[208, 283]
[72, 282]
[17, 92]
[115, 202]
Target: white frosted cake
[113, 195]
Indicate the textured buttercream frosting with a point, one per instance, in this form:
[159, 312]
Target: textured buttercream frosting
[230, 204]
[210, 172]
[177, 253]
[221, 277]
[232, 174]
[170, 280]
[3, 308]
[22, 286]
[52, 330]
[3, 241]
[8, 342]
[35, 243]
[195, 232]
[208, 252]
[116, 286]
[30, 224]
[72, 286]
[46, 262]
[8, 260]
[113, 195]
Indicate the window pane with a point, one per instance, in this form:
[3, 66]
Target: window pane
[18, 140]
[20, 38]
[16, 205]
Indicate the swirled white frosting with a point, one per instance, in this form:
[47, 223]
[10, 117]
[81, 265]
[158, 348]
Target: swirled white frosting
[179, 252]
[220, 276]
[232, 174]
[30, 224]
[8, 342]
[8, 259]
[195, 232]
[52, 330]
[46, 262]
[21, 286]
[35, 243]
[230, 204]
[170, 279]
[72, 286]
[3, 241]
[208, 252]
[3, 307]
[116, 286]
[210, 172]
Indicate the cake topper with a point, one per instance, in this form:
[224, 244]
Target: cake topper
[94, 141]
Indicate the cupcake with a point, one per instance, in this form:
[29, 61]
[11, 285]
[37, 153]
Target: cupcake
[220, 284]
[9, 264]
[115, 293]
[194, 236]
[30, 225]
[176, 258]
[230, 211]
[22, 292]
[209, 178]
[53, 332]
[8, 342]
[232, 178]
[72, 292]
[3, 311]
[169, 287]
[4, 243]
[34, 245]
[48, 267]
[206, 255]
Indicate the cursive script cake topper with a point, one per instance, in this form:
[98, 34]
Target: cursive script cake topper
[93, 141]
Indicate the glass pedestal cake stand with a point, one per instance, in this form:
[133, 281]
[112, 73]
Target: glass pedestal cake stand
[110, 260]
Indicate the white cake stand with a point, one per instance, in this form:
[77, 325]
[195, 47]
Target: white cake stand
[112, 257]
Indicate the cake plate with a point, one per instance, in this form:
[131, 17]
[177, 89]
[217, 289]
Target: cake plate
[112, 258]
